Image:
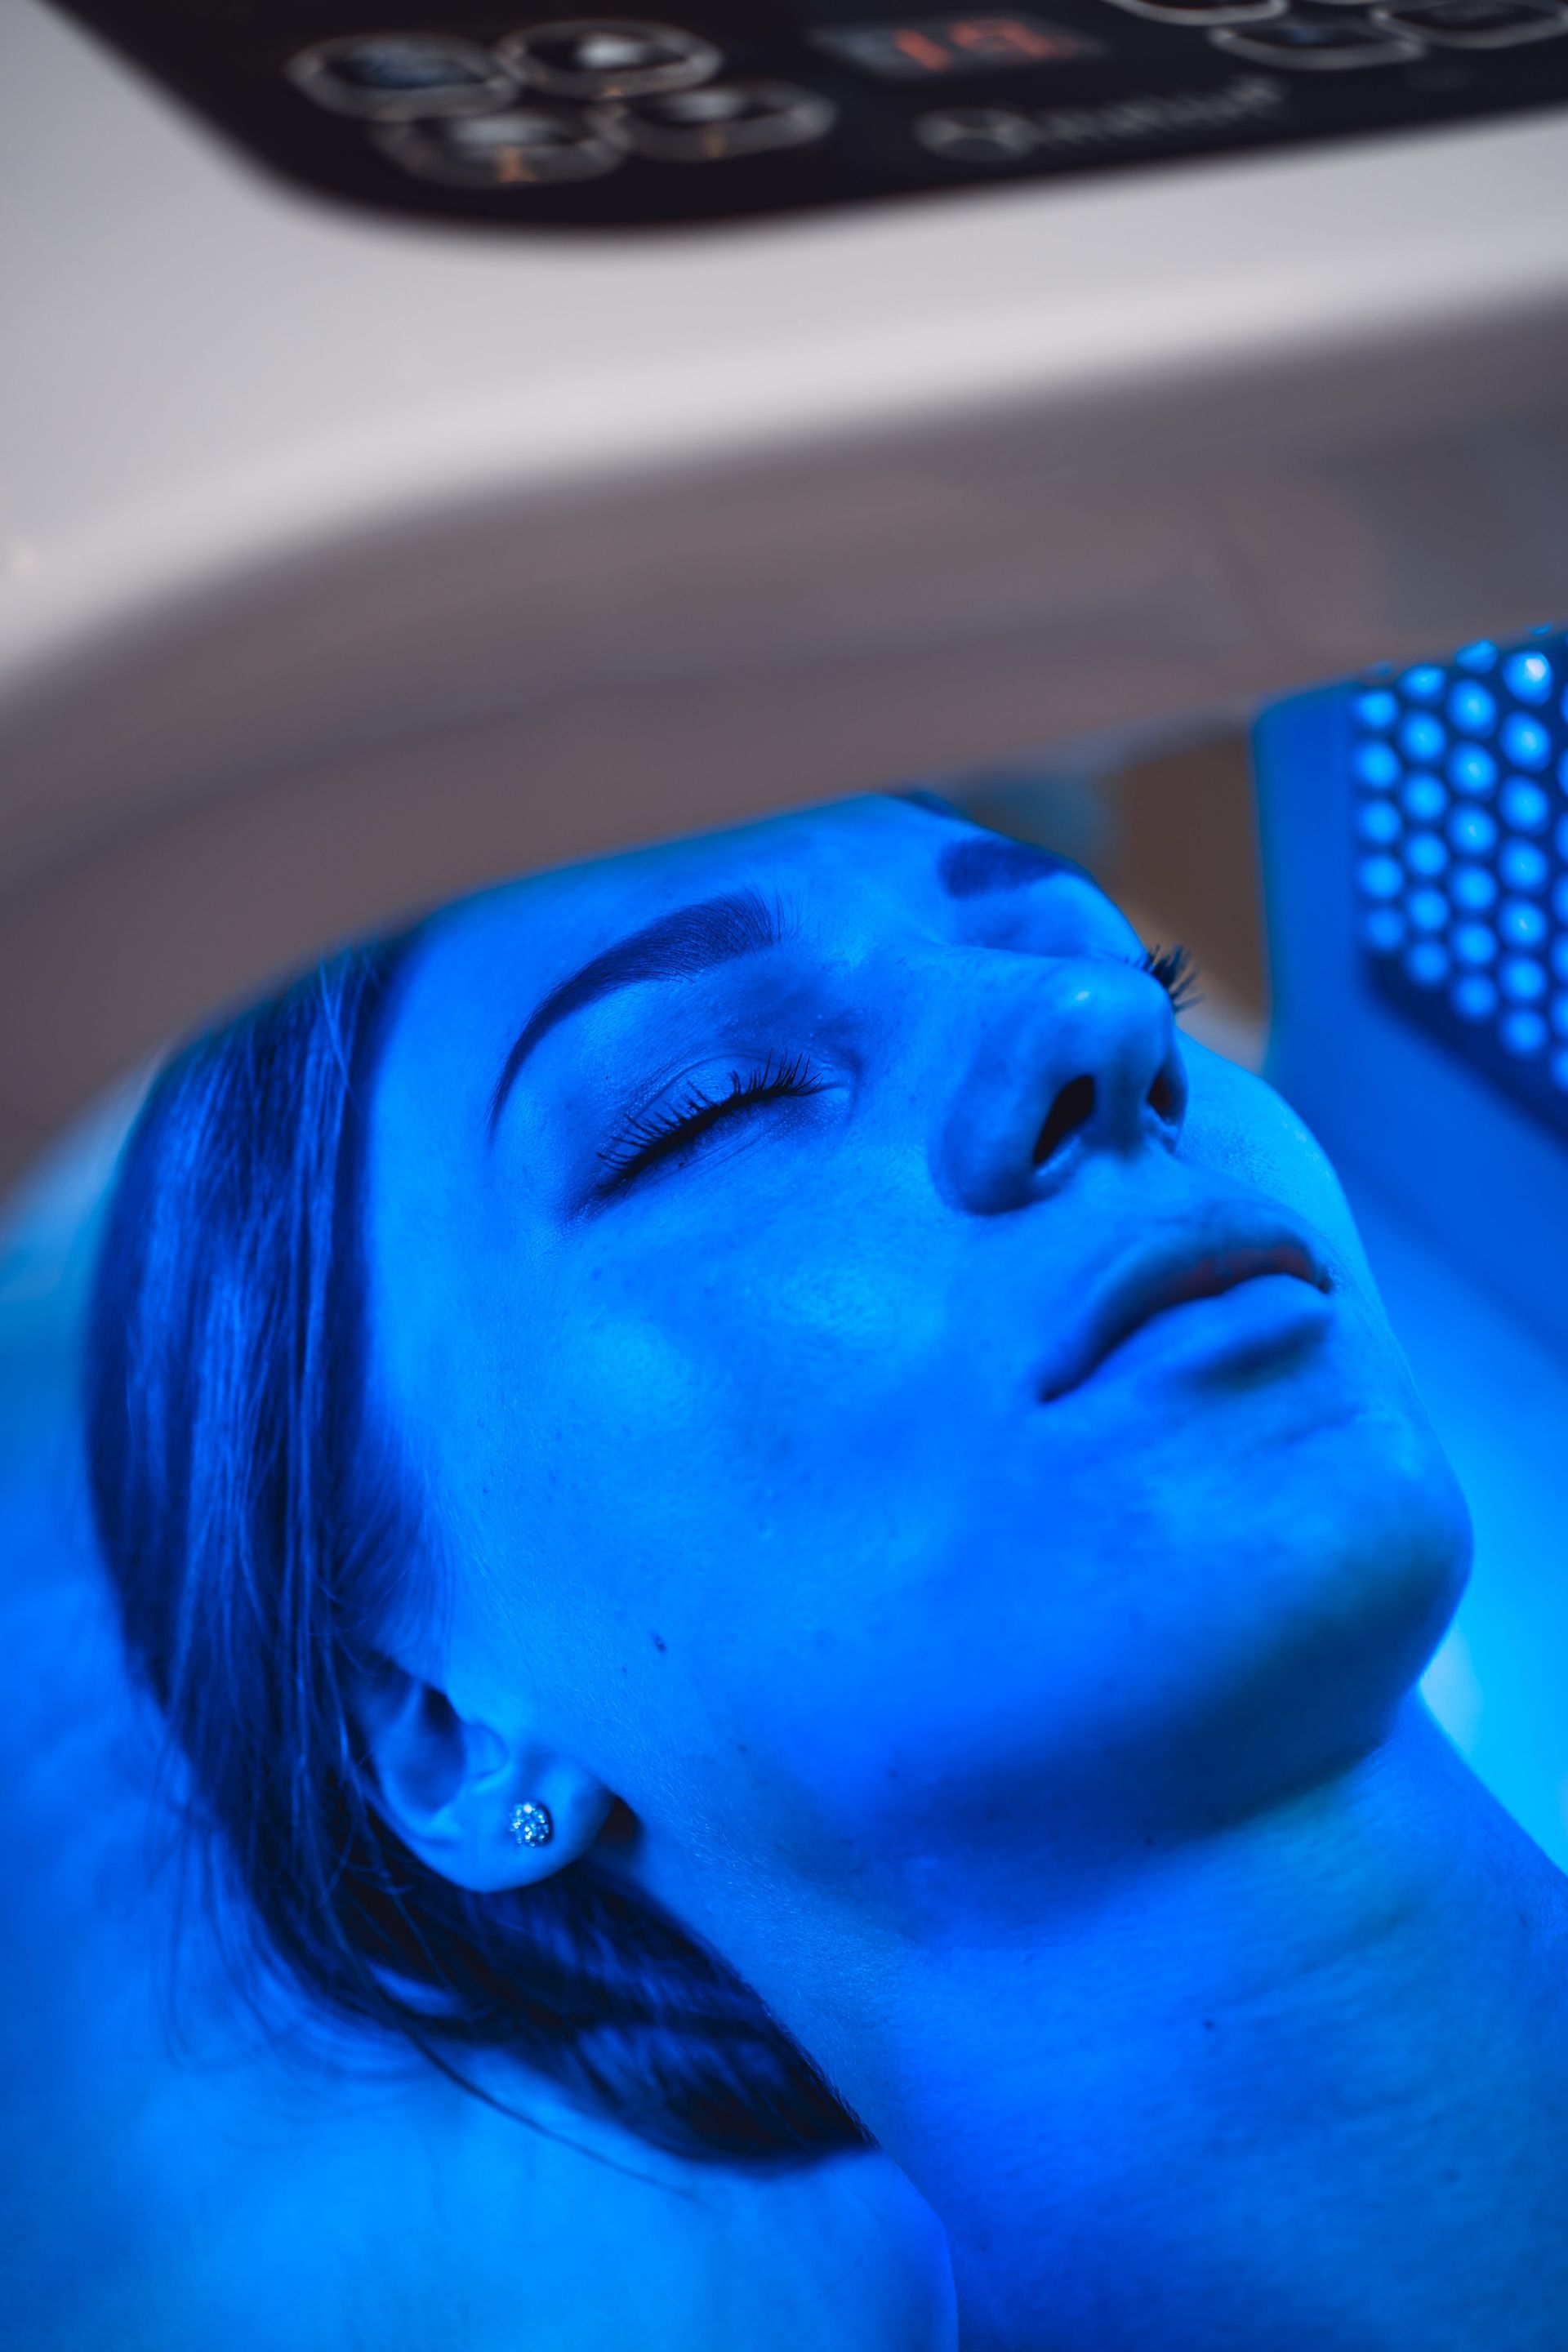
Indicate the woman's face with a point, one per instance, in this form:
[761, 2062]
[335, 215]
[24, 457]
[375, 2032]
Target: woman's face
[785, 1251]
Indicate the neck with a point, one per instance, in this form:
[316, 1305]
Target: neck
[1304, 2083]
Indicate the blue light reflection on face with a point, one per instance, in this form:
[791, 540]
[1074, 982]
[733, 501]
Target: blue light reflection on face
[850, 1306]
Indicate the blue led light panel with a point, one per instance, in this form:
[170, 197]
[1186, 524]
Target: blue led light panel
[1461, 808]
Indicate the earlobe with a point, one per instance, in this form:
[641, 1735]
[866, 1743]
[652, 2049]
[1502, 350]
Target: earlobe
[485, 1807]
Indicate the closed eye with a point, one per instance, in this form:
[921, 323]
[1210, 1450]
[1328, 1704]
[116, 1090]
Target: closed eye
[676, 1126]
[1176, 972]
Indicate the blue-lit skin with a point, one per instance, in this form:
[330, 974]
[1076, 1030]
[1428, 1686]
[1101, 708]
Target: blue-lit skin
[1042, 1746]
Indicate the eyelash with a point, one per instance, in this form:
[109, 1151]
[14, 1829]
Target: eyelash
[645, 1141]
[1176, 972]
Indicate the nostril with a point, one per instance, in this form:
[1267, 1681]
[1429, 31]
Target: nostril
[1073, 1108]
[1164, 1099]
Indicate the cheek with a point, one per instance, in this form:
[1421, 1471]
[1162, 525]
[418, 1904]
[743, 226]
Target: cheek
[715, 1433]
[1239, 1127]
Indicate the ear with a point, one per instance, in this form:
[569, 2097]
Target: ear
[449, 1788]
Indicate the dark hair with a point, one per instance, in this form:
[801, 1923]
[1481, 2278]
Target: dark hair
[256, 1535]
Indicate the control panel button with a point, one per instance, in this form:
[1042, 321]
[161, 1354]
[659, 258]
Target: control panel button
[1312, 44]
[1206, 12]
[976, 134]
[393, 77]
[1476, 24]
[932, 48]
[524, 147]
[607, 57]
[712, 125]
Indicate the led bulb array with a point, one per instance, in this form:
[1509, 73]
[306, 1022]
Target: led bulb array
[1460, 802]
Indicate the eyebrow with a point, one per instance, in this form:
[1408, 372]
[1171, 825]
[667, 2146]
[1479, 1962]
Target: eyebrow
[990, 861]
[675, 947]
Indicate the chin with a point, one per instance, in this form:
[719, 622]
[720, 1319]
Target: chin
[1345, 1594]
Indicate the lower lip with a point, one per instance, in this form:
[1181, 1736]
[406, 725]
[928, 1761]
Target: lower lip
[1252, 1326]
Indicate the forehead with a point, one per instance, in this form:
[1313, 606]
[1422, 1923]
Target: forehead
[480, 964]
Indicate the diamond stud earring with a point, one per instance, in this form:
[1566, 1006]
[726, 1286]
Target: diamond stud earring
[530, 1825]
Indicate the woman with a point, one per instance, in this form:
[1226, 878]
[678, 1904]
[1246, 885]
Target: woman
[735, 1454]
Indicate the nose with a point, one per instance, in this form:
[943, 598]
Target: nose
[1076, 1058]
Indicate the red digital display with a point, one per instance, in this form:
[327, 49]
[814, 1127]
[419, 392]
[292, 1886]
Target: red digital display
[934, 47]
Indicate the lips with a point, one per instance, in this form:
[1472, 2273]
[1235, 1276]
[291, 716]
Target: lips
[1174, 1275]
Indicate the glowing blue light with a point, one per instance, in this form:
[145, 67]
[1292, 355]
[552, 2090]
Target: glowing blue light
[1525, 806]
[1426, 854]
[1377, 764]
[1384, 929]
[1427, 909]
[1424, 737]
[1526, 741]
[1472, 887]
[1471, 708]
[1472, 831]
[1560, 897]
[1424, 683]
[1427, 963]
[1523, 981]
[1522, 1032]
[1474, 998]
[1529, 675]
[1481, 656]
[1377, 821]
[1380, 877]
[1560, 1069]
[1423, 799]
[1378, 709]
[1560, 955]
[1563, 762]
[1475, 944]
[1559, 1015]
[1521, 925]
[1470, 770]
[1522, 866]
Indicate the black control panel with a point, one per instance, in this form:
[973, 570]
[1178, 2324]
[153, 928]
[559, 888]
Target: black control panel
[610, 122]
